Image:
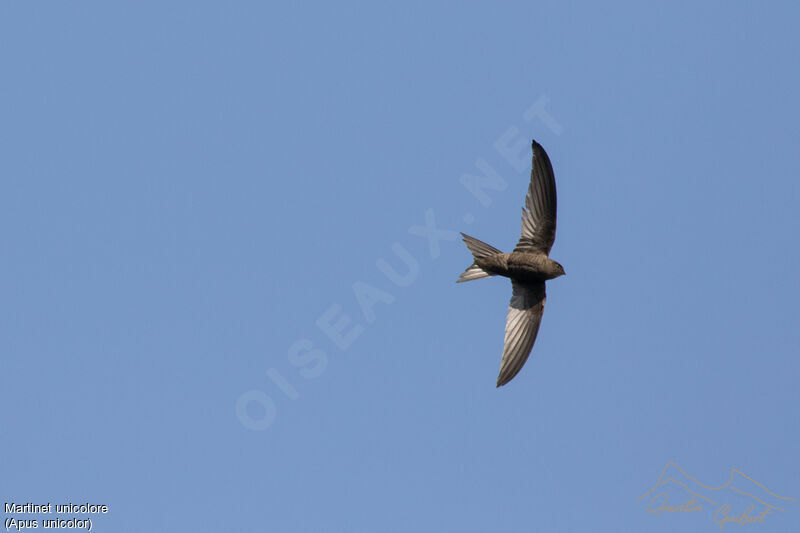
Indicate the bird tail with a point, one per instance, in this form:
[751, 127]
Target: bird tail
[479, 249]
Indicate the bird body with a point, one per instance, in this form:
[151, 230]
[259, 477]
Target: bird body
[522, 266]
[528, 266]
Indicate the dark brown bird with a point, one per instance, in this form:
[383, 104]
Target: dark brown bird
[528, 266]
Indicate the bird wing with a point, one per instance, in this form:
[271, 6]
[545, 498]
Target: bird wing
[539, 213]
[522, 324]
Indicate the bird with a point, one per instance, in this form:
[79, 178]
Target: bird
[529, 266]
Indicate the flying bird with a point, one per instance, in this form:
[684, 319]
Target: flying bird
[528, 266]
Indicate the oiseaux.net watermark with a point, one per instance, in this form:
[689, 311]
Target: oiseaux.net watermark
[256, 409]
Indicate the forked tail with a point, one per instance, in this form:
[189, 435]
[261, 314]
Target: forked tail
[479, 249]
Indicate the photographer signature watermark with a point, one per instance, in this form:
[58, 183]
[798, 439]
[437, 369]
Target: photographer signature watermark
[742, 500]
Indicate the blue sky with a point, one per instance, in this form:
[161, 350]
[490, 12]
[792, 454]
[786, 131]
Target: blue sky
[188, 190]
